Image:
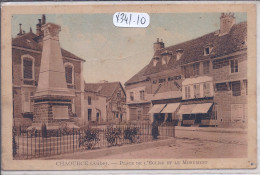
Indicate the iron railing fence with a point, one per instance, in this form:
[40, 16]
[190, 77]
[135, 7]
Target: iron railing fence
[35, 144]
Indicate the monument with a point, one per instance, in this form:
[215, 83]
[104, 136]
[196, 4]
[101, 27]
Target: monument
[52, 99]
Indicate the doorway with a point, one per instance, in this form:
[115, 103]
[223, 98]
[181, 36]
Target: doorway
[97, 117]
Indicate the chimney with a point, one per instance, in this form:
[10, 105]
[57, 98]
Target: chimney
[38, 29]
[20, 30]
[227, 20]
[43, 19]
[158, 45]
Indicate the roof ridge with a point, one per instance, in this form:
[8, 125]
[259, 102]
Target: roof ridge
[200, 36]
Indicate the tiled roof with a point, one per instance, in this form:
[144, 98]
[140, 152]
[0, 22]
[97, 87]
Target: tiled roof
[193, 50]
[167, 95]
[29, 41]
[105, 89]
[137, 77]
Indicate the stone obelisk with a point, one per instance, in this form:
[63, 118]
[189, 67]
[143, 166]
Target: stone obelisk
[52, 99]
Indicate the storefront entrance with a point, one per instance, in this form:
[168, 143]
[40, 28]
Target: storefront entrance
[159, 117]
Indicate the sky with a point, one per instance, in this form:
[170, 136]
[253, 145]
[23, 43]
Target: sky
[116, 54]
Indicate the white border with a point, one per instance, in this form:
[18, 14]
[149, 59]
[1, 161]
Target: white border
[229, 171]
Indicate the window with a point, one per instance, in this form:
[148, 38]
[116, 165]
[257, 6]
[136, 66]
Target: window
[69, 73]
[155, 61]
[186, 71]
[234, 66]
[154, 81]
[178, 77]
[27, 69]
[245, 85]
[206, 90]
[142, 95]
[131, 96]
[206, 51]
[196, 90]
[119, 94]
[165, 59]
[145, 110]
[139, 115]
[206, 67]
[97, 116]
[196, 69]
[236, 89]
[89, 100]
[187, 92]
[133, 113]
[221, 87]
[162, 80]
[89, 114]
[179, 54]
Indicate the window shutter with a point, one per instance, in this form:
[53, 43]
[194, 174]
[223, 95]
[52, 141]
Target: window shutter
[68, 72]
[236, 89]
[26, 101]
[27, 69]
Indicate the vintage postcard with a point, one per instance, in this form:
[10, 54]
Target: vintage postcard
[128, 86]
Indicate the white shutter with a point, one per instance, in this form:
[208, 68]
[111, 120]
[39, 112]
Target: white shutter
[26, 101]
[73, 105]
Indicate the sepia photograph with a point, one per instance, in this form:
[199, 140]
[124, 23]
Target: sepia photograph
[131, 89]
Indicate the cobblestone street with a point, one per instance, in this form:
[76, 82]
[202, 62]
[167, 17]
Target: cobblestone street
[195, 144]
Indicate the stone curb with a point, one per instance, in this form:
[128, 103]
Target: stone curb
[93, 154]
[212, 130]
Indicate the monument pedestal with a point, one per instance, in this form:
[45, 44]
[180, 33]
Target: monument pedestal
[53, 112]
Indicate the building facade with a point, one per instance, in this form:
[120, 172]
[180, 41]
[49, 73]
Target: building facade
[198, 82]
[26, 61]
[105, 102]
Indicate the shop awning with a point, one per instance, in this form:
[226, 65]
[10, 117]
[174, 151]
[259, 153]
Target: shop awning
[186, 109]
[170, 108]
[201, 108]
[157, 108]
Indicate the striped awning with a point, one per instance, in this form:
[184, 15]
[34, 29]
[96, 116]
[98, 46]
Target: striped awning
[186, 109]
[157, 108]
[201, 108]
[171, 108]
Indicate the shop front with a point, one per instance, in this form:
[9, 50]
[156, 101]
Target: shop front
[201, 114]
[165, 114]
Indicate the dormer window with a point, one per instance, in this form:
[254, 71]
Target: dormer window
[155, 61]
[179, 53]
[165, 59]
[207, 50]
[166, 56]
[28, 41]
